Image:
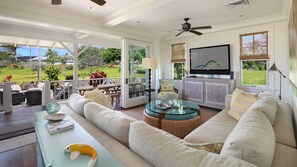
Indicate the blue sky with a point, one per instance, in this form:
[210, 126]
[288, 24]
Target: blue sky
[25, 51]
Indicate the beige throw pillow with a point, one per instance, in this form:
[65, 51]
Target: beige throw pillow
[99, 97]
[267, 105]
[240, 103]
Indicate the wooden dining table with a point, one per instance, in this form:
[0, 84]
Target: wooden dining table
[108, 88]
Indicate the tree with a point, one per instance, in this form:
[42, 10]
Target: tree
[10, 49]
[52, 56]
[5, 59]
[110, 55]
[90, 59]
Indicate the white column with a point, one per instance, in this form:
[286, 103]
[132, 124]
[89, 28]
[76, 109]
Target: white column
[46, 93]
[7, 98]
[39, 64]
[75, 64]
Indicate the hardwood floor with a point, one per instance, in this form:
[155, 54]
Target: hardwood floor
[26, 156]
[20, 157]
[18, 122]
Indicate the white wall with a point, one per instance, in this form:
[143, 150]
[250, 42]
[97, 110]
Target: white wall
[277, 49]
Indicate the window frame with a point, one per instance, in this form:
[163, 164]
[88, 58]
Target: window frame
[253, 56]
[257, 86]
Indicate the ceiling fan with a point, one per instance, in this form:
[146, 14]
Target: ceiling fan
[99, 2]
[187, 27]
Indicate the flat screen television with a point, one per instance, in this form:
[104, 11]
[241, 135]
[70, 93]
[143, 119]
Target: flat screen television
[210, 60]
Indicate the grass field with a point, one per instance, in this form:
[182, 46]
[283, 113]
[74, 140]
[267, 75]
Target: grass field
[27, 75]
[254, 77]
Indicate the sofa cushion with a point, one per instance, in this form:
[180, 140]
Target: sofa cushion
[77, 103]
[215, 130]
[252, 140]
[284, 156]
[127, 157]
[112, 122]
[240, 103]
[266, 94]
[268, 105]
[99, 97]
[283, 125]
[159, 149]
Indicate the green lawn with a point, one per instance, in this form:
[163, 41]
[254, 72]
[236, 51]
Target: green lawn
[254, 77]
[27, 75]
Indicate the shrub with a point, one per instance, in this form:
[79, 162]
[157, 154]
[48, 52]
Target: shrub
[52, 72]
[140, 71]
[69, 67]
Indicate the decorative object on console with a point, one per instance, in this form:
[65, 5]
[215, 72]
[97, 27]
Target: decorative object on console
[76, 149]
[274, 68]
[149, 63]
[56, 127]
[55, 117]
[52, 107]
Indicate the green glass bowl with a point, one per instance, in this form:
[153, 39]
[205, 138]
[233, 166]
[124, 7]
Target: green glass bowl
[52, 107]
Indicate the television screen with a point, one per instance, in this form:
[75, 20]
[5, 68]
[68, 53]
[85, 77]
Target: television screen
[210, 60]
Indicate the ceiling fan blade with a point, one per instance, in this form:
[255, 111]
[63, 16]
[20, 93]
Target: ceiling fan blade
[201, 27]
[179, 33]
[99, 2]
[196, 32]
[56, 2]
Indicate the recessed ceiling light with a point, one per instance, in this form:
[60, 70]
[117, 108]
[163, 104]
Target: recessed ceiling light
[90, 8]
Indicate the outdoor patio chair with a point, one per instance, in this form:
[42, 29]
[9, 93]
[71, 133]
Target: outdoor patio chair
[34, 97]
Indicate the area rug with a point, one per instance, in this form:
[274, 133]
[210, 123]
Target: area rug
[17, 142]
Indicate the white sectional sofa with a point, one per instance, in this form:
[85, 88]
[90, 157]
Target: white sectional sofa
[136, 143]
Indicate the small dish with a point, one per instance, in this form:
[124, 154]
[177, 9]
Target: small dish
[55, 117]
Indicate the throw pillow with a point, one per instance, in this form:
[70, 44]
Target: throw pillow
[252, 140]
[167, 85]
[267, 105]
[240, 103]
[99, 97]
[266, 94]
[77, 103]
[112, 122]
[210, 147]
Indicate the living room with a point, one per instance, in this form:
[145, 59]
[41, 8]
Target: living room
[20, 23]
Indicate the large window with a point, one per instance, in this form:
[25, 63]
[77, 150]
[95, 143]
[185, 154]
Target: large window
[178, 71]
[254, 72]
[254, 58]
[178, 60]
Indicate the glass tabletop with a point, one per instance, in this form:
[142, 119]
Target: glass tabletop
[178, 107]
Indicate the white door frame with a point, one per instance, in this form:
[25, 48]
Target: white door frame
[126, 101]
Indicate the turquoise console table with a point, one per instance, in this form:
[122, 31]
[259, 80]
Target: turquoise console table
[50, 148]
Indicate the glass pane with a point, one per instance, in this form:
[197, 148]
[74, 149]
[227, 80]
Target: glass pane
[260, 44]
[254, 72]
[247, 41]
[137, 74]
[247, 51]
[260, 50]
[178, 69]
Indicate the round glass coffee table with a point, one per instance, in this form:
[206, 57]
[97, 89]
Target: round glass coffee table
[179, 119]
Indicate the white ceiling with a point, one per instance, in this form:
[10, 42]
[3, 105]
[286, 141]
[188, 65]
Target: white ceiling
[134, 17]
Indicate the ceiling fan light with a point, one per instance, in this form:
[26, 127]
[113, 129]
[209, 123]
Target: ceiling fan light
[99, 2]
[56, 2]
